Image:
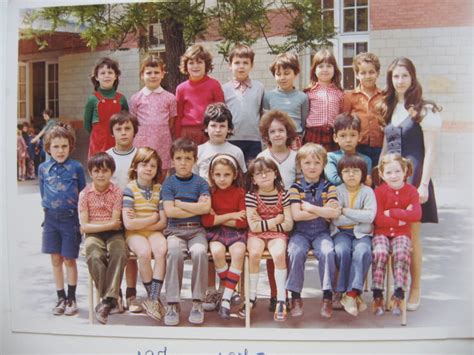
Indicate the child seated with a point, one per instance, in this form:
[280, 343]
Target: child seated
[185, 198]
[352, 232]
[346, 135]
[100, 208]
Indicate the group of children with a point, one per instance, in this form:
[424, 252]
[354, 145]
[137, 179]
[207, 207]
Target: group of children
[186, 175]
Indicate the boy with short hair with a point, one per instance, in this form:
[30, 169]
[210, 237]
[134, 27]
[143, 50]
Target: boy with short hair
[363, 102]
[100, 208]
[60, 181]
[243, 96]
[185, 198]
[347, 134]
[123, 127]
[285, 68]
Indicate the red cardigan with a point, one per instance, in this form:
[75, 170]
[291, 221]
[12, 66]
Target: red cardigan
[396, 201]
[226, 201]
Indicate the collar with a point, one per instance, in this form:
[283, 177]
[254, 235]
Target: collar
[109, 188]
[358, 90]
[128, 152]
[285, 91]
[147, 91]
[189, 178]
[318, 85]
[247, 83]
[52, 162]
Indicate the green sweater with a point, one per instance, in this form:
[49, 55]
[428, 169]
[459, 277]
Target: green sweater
[90, 112]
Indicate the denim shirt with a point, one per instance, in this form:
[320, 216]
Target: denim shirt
[60, 184]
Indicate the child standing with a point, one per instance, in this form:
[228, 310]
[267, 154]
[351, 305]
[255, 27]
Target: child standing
[269, 219]
[100, 208]
[313, 200]
[102, 104]
[352, 232]
[144, 221]
[285, 68]
[195, 94]
[244, 97]
[346, 135]
[325, 96]
[123, 128]
[60, 181]
[155, 109]
[227, 224]
[21, 154]
[398, 206]
[185, 198]
[218, 127]
[363, 102]
[50, 123]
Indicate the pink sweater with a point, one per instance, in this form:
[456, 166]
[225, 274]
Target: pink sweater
[193, 97]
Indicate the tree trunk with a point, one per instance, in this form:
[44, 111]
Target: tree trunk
[175, 48]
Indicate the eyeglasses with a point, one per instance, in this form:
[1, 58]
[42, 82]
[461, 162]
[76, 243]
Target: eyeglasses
[353, 171]
[264, 172]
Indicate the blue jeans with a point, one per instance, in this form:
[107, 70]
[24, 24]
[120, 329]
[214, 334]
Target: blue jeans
[323, 248]
[353, 259]
[249, 148]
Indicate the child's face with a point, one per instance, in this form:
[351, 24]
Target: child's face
[394, 175]
[106, 77]
[312, 168]
[146, 171]
[46, 117]
[123, 134]
[223, 176]
[367, 75]
[59, 149]
[324, 72]
[264, 178]
[100, 178]
[241, 68]
[351, 177]
[196, 69]
[285, 78]
[347, 140]
[152, 77]
[401, 79]
[183, 163]
[277, 134]
[217, 132]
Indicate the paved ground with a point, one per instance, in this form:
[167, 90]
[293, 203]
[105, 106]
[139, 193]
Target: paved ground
[447, 282]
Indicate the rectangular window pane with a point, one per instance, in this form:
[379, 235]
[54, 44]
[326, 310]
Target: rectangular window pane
[361, 47]
[362, 2]
[362, 19]
[328, 4]
[50, 72]
[348, 53]
[349, 20]
[348, 74]
[328, 18]
[349, 3]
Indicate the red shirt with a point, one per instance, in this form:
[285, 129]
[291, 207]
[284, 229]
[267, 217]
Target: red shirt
[226, 201]
[396, 201]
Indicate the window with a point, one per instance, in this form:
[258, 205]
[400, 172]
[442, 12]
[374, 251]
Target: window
[327, 9]
[349, 51]
[22, 97]
[155, 36]
[356, 16]
[52, 92]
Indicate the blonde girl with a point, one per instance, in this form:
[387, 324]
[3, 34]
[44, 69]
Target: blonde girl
[269, 219]
[326, 97]
[226, 224]
[144, 219]
[398, 206]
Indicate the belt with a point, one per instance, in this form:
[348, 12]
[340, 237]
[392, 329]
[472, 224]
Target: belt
[187, 225]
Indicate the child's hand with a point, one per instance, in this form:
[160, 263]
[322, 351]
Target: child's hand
[212, 212]
[401, 223]
[332, 204]
[239, 215]
[130, 213]
[410, 207]
[386, 213]
[280, 218]
[117, 225]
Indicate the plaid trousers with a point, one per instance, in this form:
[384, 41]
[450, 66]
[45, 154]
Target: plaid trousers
[400, 247]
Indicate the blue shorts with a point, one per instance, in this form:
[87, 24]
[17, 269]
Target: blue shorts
[61, 233]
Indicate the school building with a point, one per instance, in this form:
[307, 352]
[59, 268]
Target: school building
[436, 34]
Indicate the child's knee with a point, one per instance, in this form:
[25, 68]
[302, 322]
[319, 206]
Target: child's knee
[380, 254]
[198, 251]
[143, 255]
[70, 263]
[56, 260]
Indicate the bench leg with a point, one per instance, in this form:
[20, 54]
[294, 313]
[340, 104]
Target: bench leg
[90, 297]
[247, 292]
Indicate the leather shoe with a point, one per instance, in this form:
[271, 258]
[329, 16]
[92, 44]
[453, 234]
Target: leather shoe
[326, 308]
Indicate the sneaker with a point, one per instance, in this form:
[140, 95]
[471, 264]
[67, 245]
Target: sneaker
[378, 306]
[361, 305]
[133, 305]
[212, 300]
[396, 305]
[296, 307]
[235, 299]
[117, 306]
[350, 305]
[154, 309]
[326, 308]
[172, 314]
[71, 308]
[60, 307]
[102, 311]
[196, 316]
[336, 301]
[224, 312]
[272, 305]
[242, 312]
[280, 314]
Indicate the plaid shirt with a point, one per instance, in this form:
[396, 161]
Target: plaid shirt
[325, 103]
[100, 205]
